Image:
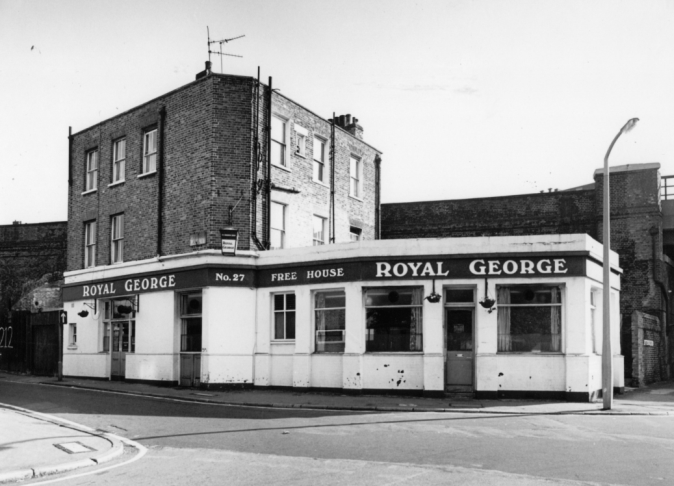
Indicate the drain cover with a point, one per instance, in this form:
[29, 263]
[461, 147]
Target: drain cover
[74, 447]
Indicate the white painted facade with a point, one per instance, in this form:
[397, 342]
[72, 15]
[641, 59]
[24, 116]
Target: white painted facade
[238, 345]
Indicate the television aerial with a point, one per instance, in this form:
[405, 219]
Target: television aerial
[220, 42]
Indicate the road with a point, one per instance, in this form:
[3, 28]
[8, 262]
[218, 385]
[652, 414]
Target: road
[196, 443]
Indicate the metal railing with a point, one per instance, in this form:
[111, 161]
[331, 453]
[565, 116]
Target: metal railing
[666, 188]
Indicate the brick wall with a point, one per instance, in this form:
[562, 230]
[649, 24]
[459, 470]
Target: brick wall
[27, 253]
[528, 214]
[205, 166]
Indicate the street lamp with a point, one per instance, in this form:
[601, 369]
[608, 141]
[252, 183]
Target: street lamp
[607, 349]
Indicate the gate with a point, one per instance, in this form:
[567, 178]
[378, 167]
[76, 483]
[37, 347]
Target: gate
[45, 342]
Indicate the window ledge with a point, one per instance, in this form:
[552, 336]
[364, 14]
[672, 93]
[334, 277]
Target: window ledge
[529, 353]
[72, 346]
[321, 183]
[117, 183]
[147, 174]
[356, 198]
[283, 342]
[282, 167]
[90, 191]
[396, 353]
[297, 154]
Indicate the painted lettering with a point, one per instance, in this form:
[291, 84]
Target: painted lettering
[85, 291]
[383, 269]
[440, 273]
[510, 267]
[544, 266]
[494, 267]
[399, 269]
[153, 282]
[560, 265]
[415, 267]
[128, 285]
[428, 270]
[527, 266]
[145, 284]
[172, 281]
[475, 270]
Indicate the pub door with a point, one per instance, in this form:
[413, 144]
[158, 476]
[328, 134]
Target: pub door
[122, 344]
[459, 365]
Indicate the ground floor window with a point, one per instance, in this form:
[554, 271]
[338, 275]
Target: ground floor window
[394, 319]
[190, 322]
[330, 318]
[284, 317]
[119, 325]
[529, 318]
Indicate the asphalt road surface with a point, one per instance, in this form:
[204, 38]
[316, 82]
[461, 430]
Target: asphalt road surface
[209, 444]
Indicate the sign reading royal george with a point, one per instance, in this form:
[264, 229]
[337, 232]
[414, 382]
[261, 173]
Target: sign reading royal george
[320, 272]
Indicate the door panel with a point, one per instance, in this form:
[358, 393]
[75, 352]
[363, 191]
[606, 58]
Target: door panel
[190, 369]
[459, 325]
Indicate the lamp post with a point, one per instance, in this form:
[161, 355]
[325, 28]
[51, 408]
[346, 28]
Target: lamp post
[607, 348]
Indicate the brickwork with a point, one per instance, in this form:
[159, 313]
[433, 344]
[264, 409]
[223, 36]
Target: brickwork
[28, 252]
[205, 166]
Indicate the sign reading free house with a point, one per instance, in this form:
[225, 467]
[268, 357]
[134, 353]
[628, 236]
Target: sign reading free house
[371, 269]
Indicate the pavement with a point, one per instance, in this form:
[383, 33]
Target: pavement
[34, 445]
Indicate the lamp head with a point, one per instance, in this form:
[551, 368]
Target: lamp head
[630, 125]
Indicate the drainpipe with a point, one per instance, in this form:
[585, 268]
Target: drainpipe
[70, 157]
[333, 162]
[654, 232]
[377, 197]
[267, 235]
[160, 178]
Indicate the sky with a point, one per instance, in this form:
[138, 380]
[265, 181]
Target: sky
[465, 99]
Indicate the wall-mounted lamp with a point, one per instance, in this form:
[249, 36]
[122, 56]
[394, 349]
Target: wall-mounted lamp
[84, 312]
[488, 303]
[434, 297]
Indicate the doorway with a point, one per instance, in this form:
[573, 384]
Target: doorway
[459, 326]
[119, 321]
[190, 339]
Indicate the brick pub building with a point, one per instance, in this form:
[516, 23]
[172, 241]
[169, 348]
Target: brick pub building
[224, 235]
[642, 233]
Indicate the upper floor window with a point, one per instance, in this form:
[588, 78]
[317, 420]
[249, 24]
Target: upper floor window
[320, 233]
[118, 160]
[117, 239]
[149, 151]
[284, 316]
[91, 181]
[278, 225]
[90, 244]
[529, 318]
[278, 141]
[355, 176]
[355, 233]
[319, 160]
[301, 145]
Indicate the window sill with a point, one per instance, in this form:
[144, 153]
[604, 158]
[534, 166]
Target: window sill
[90, 191]
[283, 342]
[117, 183]
[529, 353]
[321, 183]
[297, 154]
[397, 353]
[147, 174]
[72, 346]
[356, 198]
[282, 167]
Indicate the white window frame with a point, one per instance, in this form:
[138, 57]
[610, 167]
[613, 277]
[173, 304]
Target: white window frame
[319, 160]
[91, 178]
[118, 161]
[301, 134]
[149, 151]
[323, 333]
[117, 238]
[109, 321]
[356, 180]
[282, 144]
[90, 244]
[187, 314]
[285, 311]
[72, 334]
[355, 235]
[562, 314]
[371, 332]
[324, 226]
[282, 229]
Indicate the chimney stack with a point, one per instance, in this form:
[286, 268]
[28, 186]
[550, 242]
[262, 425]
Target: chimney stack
[350, 124]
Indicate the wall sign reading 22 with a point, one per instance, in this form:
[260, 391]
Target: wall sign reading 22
[6, 334]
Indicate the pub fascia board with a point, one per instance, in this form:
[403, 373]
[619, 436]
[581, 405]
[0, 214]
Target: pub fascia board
[384, 249]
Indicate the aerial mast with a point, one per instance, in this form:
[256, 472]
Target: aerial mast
[220, 42]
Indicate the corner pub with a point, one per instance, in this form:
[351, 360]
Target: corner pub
[500, 316]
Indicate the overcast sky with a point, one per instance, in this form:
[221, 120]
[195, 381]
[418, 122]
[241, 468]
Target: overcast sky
[465, 98]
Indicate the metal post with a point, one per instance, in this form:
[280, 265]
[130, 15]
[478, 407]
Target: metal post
[607, 348]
